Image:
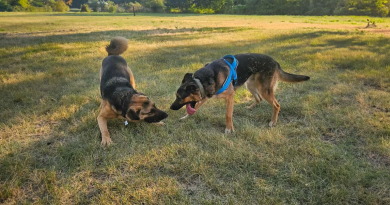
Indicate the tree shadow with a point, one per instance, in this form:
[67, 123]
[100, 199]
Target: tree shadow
[151, 35]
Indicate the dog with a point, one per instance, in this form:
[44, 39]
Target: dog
[260, 73]
[119, 97]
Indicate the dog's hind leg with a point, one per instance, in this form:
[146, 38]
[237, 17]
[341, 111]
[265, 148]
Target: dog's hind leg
[251, 86]
[269, 96]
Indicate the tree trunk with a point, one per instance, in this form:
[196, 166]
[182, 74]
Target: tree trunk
[133, 10]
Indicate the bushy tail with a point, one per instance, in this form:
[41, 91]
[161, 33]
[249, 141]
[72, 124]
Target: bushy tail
[291, 78]
[117, 46]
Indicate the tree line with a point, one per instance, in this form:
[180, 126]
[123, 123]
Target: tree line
[257, 7]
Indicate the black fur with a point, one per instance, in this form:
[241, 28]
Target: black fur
[117, 92]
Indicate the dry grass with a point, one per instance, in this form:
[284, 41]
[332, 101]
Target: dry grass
[331, 145]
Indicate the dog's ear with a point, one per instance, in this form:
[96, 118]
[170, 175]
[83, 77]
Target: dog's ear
[187, 77]
[132, 115]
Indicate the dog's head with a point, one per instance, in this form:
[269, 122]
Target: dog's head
[141, 108]
[188, 93]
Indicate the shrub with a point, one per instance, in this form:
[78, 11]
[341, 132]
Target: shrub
[110, 7]
[85, 8]
[18, 8]
[48, 8]
[154, 5]
[60, 6]
[196, 10]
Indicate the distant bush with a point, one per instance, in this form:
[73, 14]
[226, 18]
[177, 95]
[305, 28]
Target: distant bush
[60, 6]
[175, 10]
[110, 7]
[154, 5]
[39, 9]
[85, 8]
[195, 10]
[18, 9]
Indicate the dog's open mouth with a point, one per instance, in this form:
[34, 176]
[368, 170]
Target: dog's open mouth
[191, 108]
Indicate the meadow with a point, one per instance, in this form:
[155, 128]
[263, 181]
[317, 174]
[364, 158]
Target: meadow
[331, 144]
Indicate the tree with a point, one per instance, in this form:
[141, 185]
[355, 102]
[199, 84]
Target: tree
[4, 6]
[132, 7]
[95, 5]
[154, 5]
[60, 6]
[85, 8]
[183, 5]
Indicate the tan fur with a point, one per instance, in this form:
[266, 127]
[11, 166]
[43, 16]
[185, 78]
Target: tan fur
[137, 105]
[264, 90]
[106, 113]
[191, 98]
[228, 95]
[117, 46]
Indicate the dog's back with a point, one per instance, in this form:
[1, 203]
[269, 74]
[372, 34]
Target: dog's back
[115, 72]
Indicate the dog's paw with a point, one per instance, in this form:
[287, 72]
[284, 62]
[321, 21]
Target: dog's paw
[159, 123]
[228, 131]
[184, 117]
[106, 142]
[272, 124]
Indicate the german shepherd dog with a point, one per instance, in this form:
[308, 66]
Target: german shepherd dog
[119, 97]
[260, 73]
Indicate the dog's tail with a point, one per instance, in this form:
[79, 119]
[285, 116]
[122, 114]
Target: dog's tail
[291, 78]
[117, 46]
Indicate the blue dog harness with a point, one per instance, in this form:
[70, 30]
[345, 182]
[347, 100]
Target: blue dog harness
[232, 75]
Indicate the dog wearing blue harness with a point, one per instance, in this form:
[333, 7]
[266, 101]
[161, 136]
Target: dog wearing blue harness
[221, 78]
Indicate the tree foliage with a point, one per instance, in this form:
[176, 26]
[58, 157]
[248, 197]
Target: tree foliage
[257, 7]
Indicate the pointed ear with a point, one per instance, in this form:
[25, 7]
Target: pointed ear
[132, 115]
[187, 77]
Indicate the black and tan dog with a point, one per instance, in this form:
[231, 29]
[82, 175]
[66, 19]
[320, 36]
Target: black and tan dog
[119, 97]
[260, 73]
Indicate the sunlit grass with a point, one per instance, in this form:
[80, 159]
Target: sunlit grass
[331, 144]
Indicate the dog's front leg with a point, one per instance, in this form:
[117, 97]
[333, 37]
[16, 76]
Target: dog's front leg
[197, 106]
[105, 113]
[106, 139]
[229, 114]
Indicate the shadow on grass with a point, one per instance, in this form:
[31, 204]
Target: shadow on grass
[152, 35]
[73, 145]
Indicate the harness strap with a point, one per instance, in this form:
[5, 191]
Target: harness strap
[232, 77]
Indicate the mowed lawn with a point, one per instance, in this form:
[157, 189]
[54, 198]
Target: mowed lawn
[330, 146]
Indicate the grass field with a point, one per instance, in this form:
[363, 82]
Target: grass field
[331, 144]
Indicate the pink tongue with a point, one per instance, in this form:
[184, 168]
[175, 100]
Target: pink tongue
[190, 110]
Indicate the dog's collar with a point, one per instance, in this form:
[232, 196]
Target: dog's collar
[201, 88]
[232, 75]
